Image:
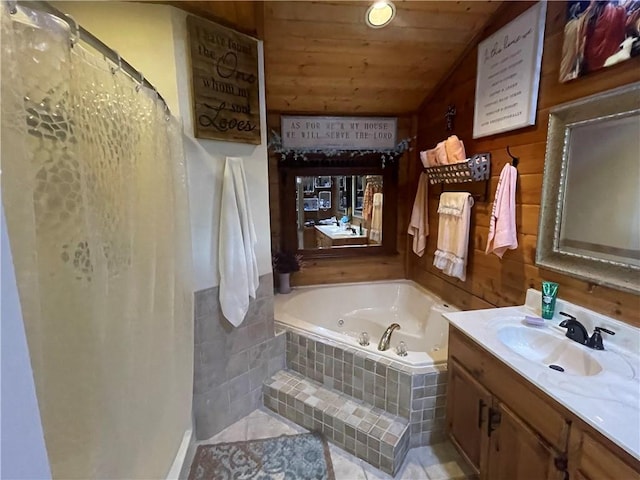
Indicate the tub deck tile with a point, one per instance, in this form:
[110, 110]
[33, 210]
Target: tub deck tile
[381, 438]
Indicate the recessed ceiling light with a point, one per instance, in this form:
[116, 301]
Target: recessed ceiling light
[380, 14]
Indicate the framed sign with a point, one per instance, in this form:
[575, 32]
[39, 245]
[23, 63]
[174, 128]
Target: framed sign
[509, 74]
[224, 76]
[340, 133]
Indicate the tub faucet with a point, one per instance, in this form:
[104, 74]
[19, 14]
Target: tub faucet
[386, 337]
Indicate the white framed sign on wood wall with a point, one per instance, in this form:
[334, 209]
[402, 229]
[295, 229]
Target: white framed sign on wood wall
[508, 77]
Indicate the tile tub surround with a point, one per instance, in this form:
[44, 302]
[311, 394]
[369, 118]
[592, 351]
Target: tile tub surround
[230, 364]
[376, 436]
[415, 393]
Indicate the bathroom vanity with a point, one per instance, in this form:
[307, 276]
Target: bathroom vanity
[328, 236]
[515, 417]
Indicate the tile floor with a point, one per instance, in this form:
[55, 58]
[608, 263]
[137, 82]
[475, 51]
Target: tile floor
[435, 462]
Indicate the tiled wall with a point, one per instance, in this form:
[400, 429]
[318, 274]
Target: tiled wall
[417, 394]
[230, 363]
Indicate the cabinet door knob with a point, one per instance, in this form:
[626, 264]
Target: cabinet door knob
[493, 420]
[560, 462]
[481, 406]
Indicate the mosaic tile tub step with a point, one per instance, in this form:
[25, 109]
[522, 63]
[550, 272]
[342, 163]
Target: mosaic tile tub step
[370, 433]
[415, 393]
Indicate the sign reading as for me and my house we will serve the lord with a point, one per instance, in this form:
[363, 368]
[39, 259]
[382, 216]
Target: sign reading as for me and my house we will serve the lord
[340, 133]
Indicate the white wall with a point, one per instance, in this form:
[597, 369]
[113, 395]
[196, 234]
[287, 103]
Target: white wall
[205, 160]
[140, 33]
[22, 449]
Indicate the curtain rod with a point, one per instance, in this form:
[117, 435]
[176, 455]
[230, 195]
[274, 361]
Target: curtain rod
[88, 38]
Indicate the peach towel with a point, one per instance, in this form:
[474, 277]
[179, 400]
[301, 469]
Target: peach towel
[441, 153]
[455, 150]
[502, 227]
[375, 232]
[428, 158]
[419, 224]
[453, 233]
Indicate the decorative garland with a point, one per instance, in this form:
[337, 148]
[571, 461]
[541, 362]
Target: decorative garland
[300, 156]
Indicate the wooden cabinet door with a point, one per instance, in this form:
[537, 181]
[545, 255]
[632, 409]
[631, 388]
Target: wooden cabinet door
[517, 453]
[590, 459]
[467, 405]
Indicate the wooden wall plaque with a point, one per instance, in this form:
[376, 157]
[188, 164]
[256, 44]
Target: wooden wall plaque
[224, 76]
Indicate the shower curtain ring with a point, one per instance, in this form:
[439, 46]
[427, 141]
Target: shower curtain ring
[12, 6]
[141, 84]
[76, 38]
[113, 69]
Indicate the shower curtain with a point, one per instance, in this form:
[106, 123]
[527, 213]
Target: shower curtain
[93, 185]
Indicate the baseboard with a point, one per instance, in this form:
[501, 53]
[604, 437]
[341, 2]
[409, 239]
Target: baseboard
[178, 462]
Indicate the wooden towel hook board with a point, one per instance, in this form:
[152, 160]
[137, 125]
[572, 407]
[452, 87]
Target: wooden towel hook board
[514, 160]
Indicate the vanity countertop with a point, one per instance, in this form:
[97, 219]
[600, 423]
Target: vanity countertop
[609, 400]
[336, 233]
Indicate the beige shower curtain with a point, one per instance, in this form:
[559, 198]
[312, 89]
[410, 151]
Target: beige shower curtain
[93, 185]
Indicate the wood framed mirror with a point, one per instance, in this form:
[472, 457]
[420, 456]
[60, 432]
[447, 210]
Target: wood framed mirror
[339, 207]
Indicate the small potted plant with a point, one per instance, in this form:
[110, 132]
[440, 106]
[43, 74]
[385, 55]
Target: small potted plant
[284, 264]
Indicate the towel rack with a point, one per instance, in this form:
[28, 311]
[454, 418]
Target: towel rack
[514, 160]
[475, 169]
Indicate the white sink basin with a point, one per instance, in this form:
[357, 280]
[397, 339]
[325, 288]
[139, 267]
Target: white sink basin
[546, 349]
[336, 232]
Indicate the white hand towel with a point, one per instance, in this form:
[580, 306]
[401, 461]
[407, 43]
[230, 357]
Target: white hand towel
[419, 225]
[453, 233]
[236, 255]
[502, 227]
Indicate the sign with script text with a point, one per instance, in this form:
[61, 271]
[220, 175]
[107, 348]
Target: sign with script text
[224, 75]
[339, 133]
[509, 74]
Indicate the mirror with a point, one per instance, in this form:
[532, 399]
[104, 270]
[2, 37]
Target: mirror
[339, 211]
[590, 210]
[353, 219]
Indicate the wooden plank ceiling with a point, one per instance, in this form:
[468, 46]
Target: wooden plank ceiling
[320, 57]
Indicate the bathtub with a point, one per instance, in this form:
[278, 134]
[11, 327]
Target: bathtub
[340, 312]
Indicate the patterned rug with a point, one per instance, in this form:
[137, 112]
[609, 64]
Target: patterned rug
[295, 457]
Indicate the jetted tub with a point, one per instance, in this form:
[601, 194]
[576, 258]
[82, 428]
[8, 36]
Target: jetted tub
[341, 312]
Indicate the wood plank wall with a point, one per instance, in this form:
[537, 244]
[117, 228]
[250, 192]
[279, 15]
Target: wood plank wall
[490, 281]
[355, 269]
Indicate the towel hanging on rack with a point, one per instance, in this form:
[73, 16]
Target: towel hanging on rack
[502, 226]
[374, 185]
[236, 248]
[453, 233]
[375, 232]
[419, 224]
